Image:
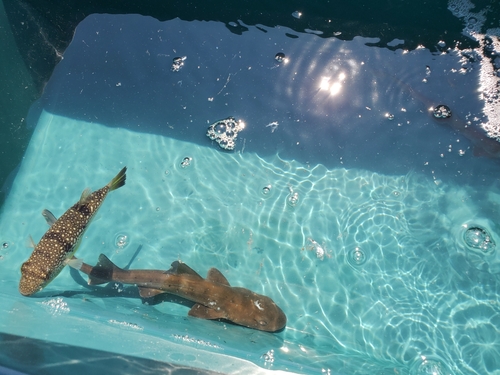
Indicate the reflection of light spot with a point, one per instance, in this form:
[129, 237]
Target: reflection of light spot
[335, 89]
[325, 83]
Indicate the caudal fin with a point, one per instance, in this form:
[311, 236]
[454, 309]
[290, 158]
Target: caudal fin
[103, 271]
[119, 180]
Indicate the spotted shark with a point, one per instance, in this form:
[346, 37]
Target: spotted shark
[58, 245]
[214, 298]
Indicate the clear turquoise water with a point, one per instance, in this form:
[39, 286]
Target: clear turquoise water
[353, 223]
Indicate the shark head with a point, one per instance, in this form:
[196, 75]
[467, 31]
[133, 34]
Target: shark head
[247, 309]
[250, 309]
[263, 314]
[240, 306]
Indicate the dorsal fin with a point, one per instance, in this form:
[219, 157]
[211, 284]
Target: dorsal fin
[85, 196]
[216, 276]
[179, 268]
[49, 217]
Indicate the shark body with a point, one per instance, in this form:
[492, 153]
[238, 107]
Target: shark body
[214, 298]
[482, 144]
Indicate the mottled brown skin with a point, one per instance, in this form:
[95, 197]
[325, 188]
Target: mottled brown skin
[214, 297]
[61, 241]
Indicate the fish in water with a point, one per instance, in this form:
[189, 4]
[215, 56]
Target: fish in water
[57, 246]
[214, 298]
[482, 144]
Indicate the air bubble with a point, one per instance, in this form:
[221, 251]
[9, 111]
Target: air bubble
[5, 245]
[478, 238]
[186, 162]
[225, 132]
[320, 250]
[266, 190]
[220, 128]
[292, 199]
[356, 257]
[178, 63]
[157, 208]
[280, 57]
[121, 240]
[389, 116]
[442, 111]
[268, 356]
[297, 14]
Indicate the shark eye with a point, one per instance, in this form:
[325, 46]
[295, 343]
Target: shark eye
[262, 322]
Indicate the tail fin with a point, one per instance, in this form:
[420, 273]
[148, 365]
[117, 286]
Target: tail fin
[103, 271]
[119, 180]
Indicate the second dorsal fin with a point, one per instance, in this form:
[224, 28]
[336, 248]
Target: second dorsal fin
[216, 276]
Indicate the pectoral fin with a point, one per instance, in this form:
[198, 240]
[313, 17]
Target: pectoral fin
[203, 312]
[74, 263]
[49, 217]
[85, 196]
[149, 292]
[30, 242]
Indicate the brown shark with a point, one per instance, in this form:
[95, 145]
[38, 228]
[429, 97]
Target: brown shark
[57, 246]
[214, 298]
[482, 144]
